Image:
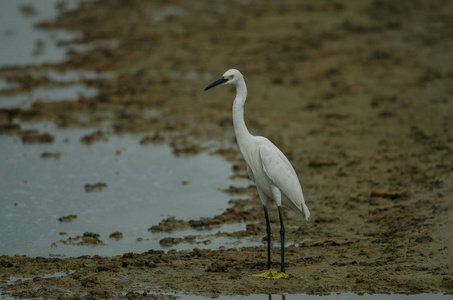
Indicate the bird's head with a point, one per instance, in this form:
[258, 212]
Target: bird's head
[231, 76]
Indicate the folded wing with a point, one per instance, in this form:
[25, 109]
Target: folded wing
[281, 173]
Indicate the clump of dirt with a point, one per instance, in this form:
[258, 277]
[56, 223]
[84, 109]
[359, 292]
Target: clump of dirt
[87, 239]
[168, 225]
[204, 223]
[241, 210]
[184, 146]
[155, 138]
[116, 235]
[229, 154]
[239, 190]
[171, 241]
[94, 137]
[29, 10]
[95, 187]
[67, 219]
[9, 128]
[54, 155]
[34, 136]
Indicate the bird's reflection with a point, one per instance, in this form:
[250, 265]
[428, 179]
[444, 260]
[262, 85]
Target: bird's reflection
[276, 297]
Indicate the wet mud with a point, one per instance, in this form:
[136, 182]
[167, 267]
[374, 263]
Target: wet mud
[357, 94]
[87, 239]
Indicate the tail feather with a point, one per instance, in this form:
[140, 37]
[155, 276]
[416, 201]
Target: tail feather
[306, 212]
[301, 209]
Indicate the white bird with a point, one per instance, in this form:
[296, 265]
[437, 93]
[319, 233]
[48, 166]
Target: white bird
[267, 167]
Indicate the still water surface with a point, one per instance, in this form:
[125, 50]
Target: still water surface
[145, 184]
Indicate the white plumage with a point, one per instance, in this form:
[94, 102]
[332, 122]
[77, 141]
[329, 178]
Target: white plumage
[267, 166]
[272, 169]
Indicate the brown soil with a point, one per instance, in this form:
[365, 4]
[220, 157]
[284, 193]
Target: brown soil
[357, 94]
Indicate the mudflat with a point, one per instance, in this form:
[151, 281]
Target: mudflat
[358, 95]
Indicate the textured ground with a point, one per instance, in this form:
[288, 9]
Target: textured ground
[358, 94]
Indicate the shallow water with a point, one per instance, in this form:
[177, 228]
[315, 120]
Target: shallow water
[73, 75]
[144, 186]
[144, 182]
[13, 279]
[22, 43]
[70, 92]
[5, 85]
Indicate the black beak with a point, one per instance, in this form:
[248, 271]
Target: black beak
[217, 82]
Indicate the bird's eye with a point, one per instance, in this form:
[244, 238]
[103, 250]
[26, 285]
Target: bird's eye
[230, 77]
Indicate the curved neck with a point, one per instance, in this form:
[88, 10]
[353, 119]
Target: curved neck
[240, 129]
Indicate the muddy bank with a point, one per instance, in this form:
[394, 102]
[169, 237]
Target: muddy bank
[208, 272]
[357, 94]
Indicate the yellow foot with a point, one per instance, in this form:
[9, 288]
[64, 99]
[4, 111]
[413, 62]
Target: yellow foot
[268, 274]
[281, 276]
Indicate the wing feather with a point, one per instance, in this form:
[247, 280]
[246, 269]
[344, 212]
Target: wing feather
[282, 175]
[250, 173]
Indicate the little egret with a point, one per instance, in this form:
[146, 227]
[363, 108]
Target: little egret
[267, 167]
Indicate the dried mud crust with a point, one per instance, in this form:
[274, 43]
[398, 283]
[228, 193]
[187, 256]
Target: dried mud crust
[358, 94]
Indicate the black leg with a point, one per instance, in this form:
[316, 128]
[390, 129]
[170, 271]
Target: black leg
[268, 230]
[282, 236]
